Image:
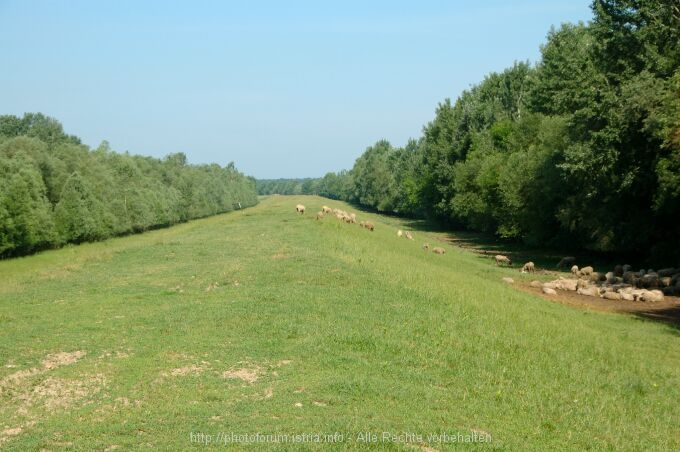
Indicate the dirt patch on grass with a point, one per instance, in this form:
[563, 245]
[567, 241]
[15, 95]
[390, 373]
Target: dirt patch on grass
[667, 311]
[249, 375]
[187, 370]
[60, 393]
[28, 393]
[61, 359]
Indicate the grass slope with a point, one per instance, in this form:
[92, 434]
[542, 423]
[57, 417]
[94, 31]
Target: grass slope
[265, 321]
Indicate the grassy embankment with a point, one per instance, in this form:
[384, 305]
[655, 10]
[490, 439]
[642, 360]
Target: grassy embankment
[265, 321]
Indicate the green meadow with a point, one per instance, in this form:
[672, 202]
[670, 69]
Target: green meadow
[265, 322]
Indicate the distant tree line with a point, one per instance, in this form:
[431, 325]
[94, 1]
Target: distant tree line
[55, 190]
[581, 149]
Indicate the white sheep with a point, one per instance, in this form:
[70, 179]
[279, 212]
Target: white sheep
[500, 259]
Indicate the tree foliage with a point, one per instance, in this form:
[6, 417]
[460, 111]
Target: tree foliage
[581, 149]
[55, 190]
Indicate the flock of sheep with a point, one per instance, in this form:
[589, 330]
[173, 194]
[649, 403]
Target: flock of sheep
[619, 284]
[351, 218]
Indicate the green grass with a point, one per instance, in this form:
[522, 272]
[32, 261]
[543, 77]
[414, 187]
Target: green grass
[342, 329]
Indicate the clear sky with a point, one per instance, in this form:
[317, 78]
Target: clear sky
[282, 88]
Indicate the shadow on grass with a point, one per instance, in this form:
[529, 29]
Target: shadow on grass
[670, 316]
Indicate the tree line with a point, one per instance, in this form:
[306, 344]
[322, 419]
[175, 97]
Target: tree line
[55, 190]
[582, 148]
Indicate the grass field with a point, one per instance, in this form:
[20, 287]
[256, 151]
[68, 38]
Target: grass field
[265, 321]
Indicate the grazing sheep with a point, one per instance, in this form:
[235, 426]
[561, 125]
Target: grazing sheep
[426, 246]
[353, 217]
[400, 233]
[408, 235]
[574, 269]
[319, 215]
[438, 250]
[300, 208]
[529, 267]
[549, 291]
[566, 261]
[368, 225]
[326, 209]
[536, 284]
[500, 259]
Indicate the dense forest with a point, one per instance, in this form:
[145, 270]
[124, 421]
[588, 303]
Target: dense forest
[582, 148]
[55, 190]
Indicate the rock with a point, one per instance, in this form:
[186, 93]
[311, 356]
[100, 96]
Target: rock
[536, 284]
[665, 281]
[609, 277]
[549, 291]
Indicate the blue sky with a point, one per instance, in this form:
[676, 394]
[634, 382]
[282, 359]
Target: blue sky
[283, 89]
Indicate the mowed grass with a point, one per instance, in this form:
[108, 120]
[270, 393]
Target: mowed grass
[266, 321]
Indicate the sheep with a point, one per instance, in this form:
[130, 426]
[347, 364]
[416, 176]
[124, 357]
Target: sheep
[326, 209]
[300, 209]
[368, 225]
[529, 267]
[319, 215]
[500, 259]
[508, 280]
[408, 235]
[566, 261]
[574, 269]
[400, 233]
[587, 271]
[549, 291]
[353, 218]
[608, 295]
[589, 291]
[426, 246]
[438, 250]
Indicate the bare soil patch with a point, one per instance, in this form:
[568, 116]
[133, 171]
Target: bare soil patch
[250, 376]
[667, 311]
